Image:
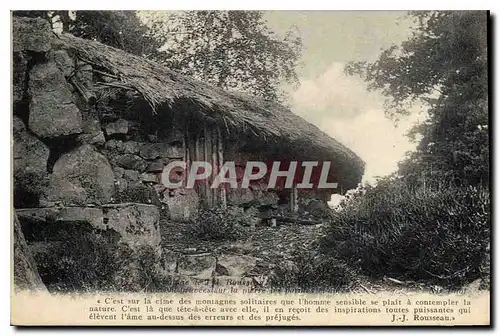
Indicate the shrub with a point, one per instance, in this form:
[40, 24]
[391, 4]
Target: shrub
[313, 272]
[28, 187]
[220, 224]
[438, 234]
[79, 263]
[91, 261]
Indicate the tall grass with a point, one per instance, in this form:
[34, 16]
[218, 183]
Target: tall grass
[219, 224]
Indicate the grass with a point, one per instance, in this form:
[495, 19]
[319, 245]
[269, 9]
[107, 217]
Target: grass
[89, 262]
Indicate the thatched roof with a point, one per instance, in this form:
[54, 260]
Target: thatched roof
[267, 121]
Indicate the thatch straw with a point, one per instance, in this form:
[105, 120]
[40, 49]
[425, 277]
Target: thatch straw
[263, 119]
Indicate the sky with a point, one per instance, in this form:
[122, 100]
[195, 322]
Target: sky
[340, 105]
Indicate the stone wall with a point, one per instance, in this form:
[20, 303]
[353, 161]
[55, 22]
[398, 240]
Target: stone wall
[70, 150]
[78, 146]
[312, 204]
[86, 160]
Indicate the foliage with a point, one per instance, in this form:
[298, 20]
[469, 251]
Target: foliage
[442, 43]
[220, 224]
[434, 234]
[33, 14]
[443, 65]
[88, 261]
[430, 221]
[231, 49]
[310, 271]
[119, 29]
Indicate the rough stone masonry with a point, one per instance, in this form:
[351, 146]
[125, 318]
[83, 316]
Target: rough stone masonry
[72, 166]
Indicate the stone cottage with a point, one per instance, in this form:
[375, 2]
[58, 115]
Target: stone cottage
[93, 127]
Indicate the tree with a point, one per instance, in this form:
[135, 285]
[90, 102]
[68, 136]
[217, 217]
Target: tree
[233, 50]
[119, 29]
[443, 65]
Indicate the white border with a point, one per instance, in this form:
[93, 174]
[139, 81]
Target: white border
[178, 5]
[259, 4]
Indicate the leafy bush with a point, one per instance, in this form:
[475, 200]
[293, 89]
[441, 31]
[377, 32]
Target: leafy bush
[313, 272]
[436, 234]
[91, 262]
[220, 224]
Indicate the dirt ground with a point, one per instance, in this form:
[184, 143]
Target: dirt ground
[267, 243]
[273, 245]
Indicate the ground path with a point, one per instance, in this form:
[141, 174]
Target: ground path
[258, 253]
